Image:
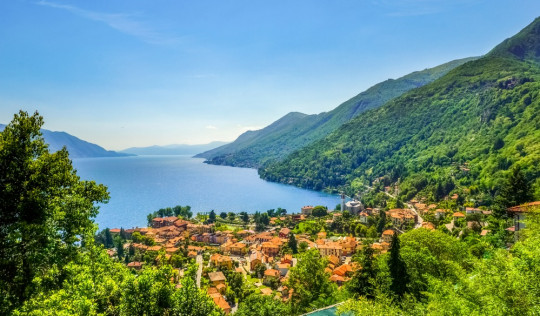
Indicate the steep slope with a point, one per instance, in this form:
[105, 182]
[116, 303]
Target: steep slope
[296, 130]
[77, 148]
[177, 149]
[466, 129]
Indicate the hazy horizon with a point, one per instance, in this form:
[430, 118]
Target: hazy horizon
[134, 74]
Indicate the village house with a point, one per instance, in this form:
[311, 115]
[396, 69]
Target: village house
[270, 249]
[402, 217]
[363, 217]
[283, 268]
[339, 280]
[287, 259]
[428, 225]
[254, 259]
[216, 278]
[271, 274]
[387, 235]
[219, 300]
[330, 248]
[238, 249]
[306, 210]
[135, 265]
[163, 221]
[472, 210]
[284, 232]
[458, 215]
[343, 271]
[223, 262]
[519, 213]
[348, 245]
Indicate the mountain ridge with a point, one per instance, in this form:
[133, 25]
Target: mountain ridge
[256, 148]
[173, 149]
[78, 148]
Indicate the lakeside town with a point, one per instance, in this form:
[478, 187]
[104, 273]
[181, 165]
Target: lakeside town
[254, 253]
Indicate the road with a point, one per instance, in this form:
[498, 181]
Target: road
[199, 261]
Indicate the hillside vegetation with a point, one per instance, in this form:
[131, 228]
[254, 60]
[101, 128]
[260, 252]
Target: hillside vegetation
[296, 130]
[464, 132]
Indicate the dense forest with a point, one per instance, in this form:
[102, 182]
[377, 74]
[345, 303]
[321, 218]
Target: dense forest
[296, 130]
[461, 133]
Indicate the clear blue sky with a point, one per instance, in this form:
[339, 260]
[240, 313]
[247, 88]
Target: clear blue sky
[137, 73]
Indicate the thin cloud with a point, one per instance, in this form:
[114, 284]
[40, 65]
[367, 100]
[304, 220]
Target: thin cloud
[211, 127]
[122, 22]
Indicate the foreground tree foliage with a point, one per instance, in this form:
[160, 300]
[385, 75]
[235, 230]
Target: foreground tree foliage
[49, 262]
[258, 305]
[446, 279]
[45, 211]
[311, 284]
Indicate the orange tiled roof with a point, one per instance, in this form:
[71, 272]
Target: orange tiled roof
[271, 272]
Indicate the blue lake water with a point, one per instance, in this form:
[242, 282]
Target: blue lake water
[143, 184]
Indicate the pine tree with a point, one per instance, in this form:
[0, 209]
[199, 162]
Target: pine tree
[212, 216]
[398, 269]
[108, 239]
[362, 281]
[293, 243]
[515, 191]
[382, 222]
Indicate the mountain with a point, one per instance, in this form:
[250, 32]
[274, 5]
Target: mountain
[463, 131]
[296, 130]
[176, 149]
[77, 148]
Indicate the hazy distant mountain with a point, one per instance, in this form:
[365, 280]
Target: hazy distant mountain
[296, 130]
[77, 148]
[177, 149]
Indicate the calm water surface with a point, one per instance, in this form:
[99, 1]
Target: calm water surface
[143, 184]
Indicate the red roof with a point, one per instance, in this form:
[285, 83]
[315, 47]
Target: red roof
[271, 272]
[524, 208]
[388, 232]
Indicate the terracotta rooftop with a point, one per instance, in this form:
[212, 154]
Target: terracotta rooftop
[524, 208]
[271, 272]
[216, 276]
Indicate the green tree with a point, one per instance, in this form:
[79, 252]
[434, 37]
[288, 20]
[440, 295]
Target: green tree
[381, 224]
[302, 247]
[309, 281]
[223, 215]
[45, 209]
[362, 282]
[319, 211]
[119, 243]
[231, 216]
[245, 217]
[258, 305]
[235, 281]
[212, 217]
[398, 269]
[516, 190]
[292, 243]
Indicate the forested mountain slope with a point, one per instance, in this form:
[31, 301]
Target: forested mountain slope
[466, 129]
[296, 130]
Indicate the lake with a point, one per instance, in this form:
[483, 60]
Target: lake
[142, 184]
